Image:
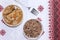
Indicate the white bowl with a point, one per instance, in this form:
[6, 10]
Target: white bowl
[20, 21]
[36, 38]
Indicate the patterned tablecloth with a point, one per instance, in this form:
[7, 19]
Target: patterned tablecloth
[48, 15]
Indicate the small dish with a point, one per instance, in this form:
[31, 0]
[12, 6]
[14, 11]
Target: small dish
[35, 27]
[12, 15]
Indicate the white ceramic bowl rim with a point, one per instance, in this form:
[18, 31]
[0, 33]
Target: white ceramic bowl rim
[22, 17]
[29, 38]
